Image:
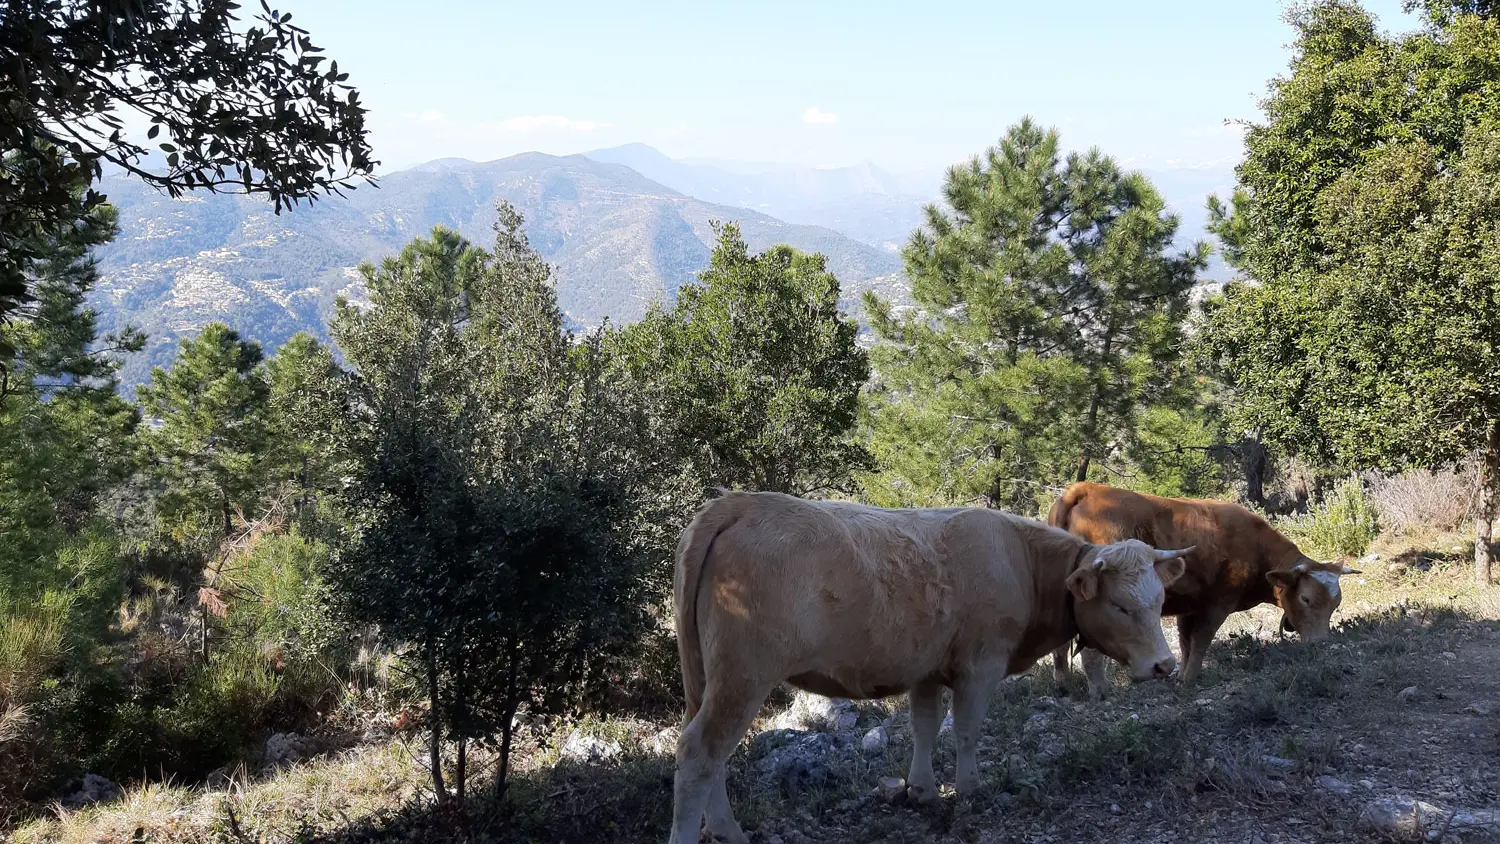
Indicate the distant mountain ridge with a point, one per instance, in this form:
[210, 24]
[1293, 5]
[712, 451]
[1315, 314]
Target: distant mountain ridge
[617, 240]
[865, 202]
[876, 206]
[622, 227]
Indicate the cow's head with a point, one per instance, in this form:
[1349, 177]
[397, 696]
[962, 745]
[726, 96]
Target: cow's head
[1308, 593]
[1117, 604]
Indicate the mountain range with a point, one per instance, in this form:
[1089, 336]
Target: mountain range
[617, 242]
[622, 227]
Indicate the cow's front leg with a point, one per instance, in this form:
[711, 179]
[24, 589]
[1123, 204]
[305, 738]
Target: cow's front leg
[971, 698]
[926, 699]
[1060, 663]
[1093, 671]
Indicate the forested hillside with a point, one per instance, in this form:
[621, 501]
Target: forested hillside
[380, 546]
[618, 243]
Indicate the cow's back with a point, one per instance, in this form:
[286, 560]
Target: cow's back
[1235, 548]
[861, 601]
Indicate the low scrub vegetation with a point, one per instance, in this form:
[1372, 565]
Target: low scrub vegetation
[1268, 720]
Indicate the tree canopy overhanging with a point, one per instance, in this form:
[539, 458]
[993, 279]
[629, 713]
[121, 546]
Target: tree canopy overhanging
[225, 107]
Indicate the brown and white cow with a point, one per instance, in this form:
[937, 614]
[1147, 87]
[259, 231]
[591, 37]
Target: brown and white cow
[1240, 562]
[846, 600]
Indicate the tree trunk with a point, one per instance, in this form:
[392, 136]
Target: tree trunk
[1091, 429]
[224, 502]
[461, 720]
[462, 775]
[1489, 479]
[507, 716]
[435, 725]
[1253, 460]
[1091, 425]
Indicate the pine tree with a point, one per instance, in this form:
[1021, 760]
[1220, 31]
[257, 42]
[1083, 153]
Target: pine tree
[1048, 315]
[755, 373]
[305, 404]
[64, 433]
[208, 412]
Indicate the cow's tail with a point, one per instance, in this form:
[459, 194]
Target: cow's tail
[1063, 506]
[693, 552]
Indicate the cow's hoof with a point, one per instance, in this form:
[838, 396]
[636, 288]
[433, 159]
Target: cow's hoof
[921, 795]
[736, 836]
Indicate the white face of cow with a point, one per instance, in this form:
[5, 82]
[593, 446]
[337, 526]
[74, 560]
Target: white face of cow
[1118, 598]
[1308, 594]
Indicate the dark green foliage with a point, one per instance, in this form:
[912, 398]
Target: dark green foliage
[208, 412]
[229, 109]
[1366, 217]
[1049, 315]
[491, 511]
[754, 375]
[305, 408]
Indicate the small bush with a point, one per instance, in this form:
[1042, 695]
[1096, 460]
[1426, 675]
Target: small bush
[1343, 525]
[1123, 752]
[1424, 498]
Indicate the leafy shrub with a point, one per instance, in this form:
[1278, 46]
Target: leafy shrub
[1342, 525]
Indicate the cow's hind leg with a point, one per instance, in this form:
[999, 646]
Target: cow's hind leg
[926, 700]
[702, 751]
[971, 697]
[1199, 636]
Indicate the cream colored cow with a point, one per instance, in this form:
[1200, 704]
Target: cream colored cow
[852, 601]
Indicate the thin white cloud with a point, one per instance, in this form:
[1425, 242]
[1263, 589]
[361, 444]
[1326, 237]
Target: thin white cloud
[819, 116]
[431, 116]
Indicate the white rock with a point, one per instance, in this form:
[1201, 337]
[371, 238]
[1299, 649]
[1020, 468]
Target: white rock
[1037, 723]
[875, 741]
[1278, 765]
[582, 748]
[1334, 784]
[1406, 695]
[815, 712]
[892, 789]
[284, 749]
[93, 789]
[663, 743]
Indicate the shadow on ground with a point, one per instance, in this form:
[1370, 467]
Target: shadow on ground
[1278, 741]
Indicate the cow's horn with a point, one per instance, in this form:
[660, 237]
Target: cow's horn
[1300, 567]
[1347, 570]
[1168, 555]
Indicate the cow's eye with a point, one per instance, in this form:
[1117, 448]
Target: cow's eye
[1306, 601]
[1120, 609]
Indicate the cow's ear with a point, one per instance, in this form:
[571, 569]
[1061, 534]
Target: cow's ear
[1084, 583]
[1170, 570]
[1282, 579]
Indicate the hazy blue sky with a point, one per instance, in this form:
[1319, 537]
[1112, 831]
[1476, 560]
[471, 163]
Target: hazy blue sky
[910, 86]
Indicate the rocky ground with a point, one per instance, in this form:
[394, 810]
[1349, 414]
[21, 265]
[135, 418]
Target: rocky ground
[1390, 733]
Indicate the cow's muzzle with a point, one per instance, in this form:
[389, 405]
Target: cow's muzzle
[1159, 670]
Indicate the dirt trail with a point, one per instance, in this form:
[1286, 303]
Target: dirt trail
[1386, 746]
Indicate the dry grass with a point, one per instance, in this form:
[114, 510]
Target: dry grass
[320, 795]
[1236, 756]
